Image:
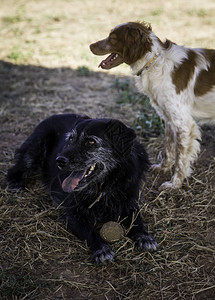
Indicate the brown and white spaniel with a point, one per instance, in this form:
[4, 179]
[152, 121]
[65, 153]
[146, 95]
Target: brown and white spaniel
[179, 81]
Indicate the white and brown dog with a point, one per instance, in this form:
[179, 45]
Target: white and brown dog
[179, 81]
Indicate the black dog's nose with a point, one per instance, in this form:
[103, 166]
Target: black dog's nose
[62, 161]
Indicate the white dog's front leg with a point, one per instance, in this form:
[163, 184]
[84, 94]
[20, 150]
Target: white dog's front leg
[169, 155]
[187, 136]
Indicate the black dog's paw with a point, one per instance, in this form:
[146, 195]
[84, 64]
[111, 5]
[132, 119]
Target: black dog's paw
[14, 184]
[146, 242]
[14, 179]
[105, 254]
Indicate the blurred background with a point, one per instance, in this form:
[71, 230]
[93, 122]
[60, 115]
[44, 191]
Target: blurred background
[58, 32]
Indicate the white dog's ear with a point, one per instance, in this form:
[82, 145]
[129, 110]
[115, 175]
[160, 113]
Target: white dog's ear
[121, 138]
[137, 42]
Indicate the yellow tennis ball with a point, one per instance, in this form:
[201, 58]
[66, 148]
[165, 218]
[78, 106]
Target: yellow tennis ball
[112, 232]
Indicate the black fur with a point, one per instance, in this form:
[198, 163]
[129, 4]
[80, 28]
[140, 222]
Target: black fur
[68, 147]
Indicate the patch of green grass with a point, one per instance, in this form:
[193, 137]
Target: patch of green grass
[18, 56]
[147, 120]
[126, 95]
[199, 13]
[83, 71]
[121, 84]
[12, 19]
[157, 12]
[19, 16]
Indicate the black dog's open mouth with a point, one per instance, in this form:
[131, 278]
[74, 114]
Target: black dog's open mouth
[78, 178]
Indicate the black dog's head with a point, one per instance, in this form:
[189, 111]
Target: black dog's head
[92, 149]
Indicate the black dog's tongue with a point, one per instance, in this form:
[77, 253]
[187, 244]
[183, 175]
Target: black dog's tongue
[70, 182]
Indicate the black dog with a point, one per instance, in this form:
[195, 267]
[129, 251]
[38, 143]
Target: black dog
[94, 168]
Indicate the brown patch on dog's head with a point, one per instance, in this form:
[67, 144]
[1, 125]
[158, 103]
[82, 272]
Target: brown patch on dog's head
[126, 43]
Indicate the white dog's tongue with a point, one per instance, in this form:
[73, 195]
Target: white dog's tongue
[70, 182]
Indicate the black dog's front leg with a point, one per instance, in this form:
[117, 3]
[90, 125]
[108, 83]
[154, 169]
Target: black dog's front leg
[139, 234]
[102, 251]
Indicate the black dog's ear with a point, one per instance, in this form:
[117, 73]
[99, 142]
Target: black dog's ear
[121, 138]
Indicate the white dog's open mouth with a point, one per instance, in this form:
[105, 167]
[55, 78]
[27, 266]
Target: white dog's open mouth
[77, 178]
[113, 60]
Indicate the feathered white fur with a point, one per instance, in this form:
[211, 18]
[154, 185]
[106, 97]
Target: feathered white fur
[179, 111]
[179, 81]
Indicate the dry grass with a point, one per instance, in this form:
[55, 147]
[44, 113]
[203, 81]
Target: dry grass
[41, 72]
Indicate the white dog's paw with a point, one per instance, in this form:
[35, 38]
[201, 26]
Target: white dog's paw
[175, 184]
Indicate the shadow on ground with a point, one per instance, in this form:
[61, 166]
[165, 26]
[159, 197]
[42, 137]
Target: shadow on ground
[41, 260]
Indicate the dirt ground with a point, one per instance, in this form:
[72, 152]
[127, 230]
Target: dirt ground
[39, 259]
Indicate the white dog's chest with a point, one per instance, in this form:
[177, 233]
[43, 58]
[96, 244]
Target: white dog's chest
[156, 86]
[204, 108]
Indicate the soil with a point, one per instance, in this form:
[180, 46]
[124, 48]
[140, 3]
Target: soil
[41, 260]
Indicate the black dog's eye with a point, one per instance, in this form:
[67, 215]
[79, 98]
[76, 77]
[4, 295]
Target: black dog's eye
[69, 141]
[70, 136]
[90, 141]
